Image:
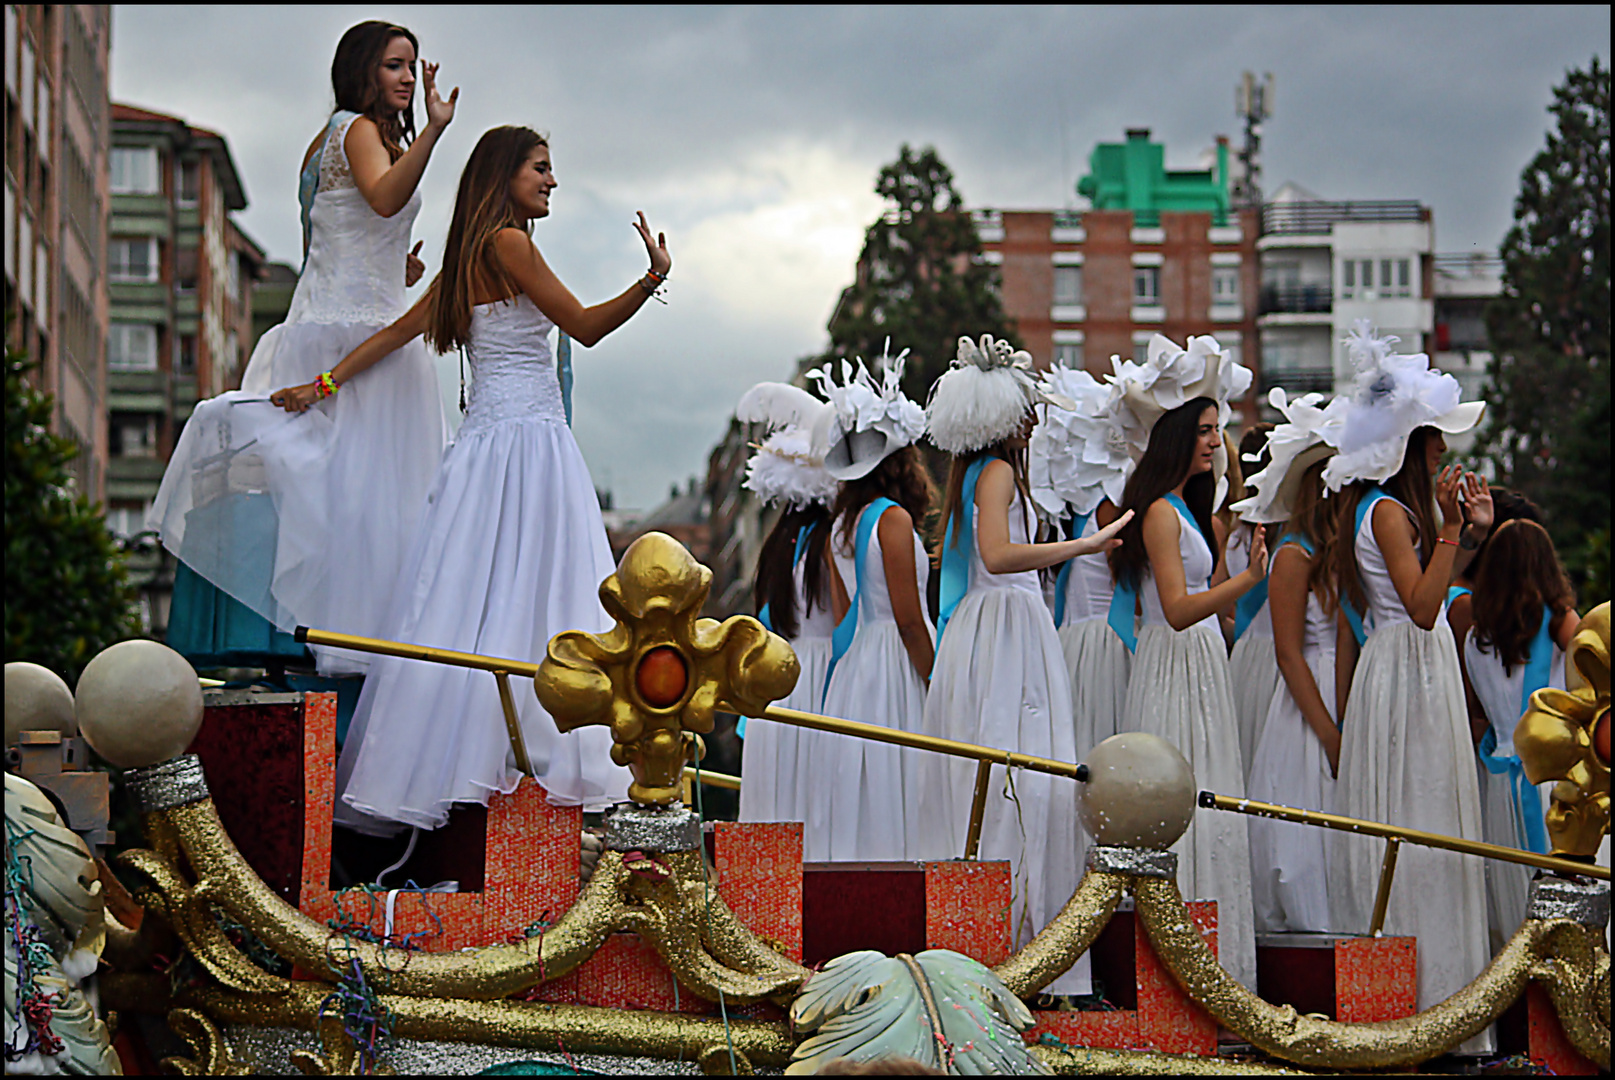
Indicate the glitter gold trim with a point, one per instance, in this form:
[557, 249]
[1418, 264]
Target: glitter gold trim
[207, 1042]
[1050, 954]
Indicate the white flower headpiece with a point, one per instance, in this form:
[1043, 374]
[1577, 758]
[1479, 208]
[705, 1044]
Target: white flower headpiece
[1078, 457]
[1293, 447]
[868, 421]
[984, 396]
[789, 466]
[1394, 394]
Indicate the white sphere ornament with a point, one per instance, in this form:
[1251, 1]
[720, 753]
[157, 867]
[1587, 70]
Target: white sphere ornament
[139, 703]
[1139, 794]
[37, 700]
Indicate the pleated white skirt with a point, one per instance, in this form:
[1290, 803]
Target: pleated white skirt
[771, 766]
[1098, 663]
[1254, 672]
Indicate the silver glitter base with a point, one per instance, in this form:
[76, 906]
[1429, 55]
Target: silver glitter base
[630, 827]
[1140, 861]
[175, 782]
[1586, 902]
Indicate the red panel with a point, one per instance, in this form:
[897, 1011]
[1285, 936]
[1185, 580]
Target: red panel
[851, 906]
[1375, 979]
[967, 908]
[1110, 1030]
[1550, 1048]
[532, 868]
[253, 758]
[627, 973]
[319, 793]
[760, 878]
[1168, 1019]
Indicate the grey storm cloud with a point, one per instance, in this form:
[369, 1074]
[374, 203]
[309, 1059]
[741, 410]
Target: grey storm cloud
[753, 135]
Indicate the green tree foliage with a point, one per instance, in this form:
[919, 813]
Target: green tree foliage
[67, 592]
[920, 279]
[1548, 430]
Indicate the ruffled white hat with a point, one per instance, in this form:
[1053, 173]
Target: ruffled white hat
[1078, 457]
[867, 421]
[1394, 394]
[984, 396]
[1293, 447]
[788, 466]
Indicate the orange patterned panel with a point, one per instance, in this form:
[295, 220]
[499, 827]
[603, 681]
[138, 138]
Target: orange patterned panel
[319, 793]
[1375, 978]
[627, 973]
[1116, 1030]
[760, 878]
[531, 872]
[1549, 1047]
[1168, 1019]
[967, 909]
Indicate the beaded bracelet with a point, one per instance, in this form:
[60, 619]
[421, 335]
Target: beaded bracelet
[325, 384]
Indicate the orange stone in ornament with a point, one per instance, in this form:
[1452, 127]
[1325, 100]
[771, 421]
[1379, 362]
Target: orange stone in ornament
[661, 677]
[1601, 739]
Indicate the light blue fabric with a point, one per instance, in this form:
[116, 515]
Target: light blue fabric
[563, 366]
[1298, 540]
[957, 548]
[1455, 591]
[763, 616]
[308, 181]
[1354, 617]
[847, 628]
[1528, 814]
[1078, 523]
[1123, 603]
[1247, 607]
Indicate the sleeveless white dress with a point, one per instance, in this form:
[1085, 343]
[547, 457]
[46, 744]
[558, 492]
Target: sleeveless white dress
[772, 766]
[1508, 885]
[1097, 660]
[855, 792]
[1289, 862]
[1000, 680]
[1253, 668]
[348, 477]
[511, 551]
[1407, 758]
[1180, 690]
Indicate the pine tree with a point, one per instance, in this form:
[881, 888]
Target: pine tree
[67, 592]
[921, 280]
[1548, 403]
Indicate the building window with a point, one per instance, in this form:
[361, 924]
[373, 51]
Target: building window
[185, 354]
[1404, 286]
[134, 170]
[190, 182]
[133, 434]
[127, 522]
[1225, 285]
[1070, 356]
[185, 270]
[1067, 285]
[1146, 286]
[132, 258]
[232, 276]
[132, 347]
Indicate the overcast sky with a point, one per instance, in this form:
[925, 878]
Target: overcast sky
[753, 136]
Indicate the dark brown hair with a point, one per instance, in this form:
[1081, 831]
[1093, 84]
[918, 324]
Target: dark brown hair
[1507, 505]
[482, 207]
[1412, 487]
[901, 477]
[1313, 516]
[953, 507]
[776, 566]
[354, 81]
[1519, 575]
[1165, 463]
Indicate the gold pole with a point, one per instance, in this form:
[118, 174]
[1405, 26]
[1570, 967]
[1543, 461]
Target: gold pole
[415, 652]
[513, 727]
[712, 779]
[1382, 899]
[978, 808]
[1209, 800]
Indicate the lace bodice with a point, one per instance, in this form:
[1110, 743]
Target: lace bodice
[1197, 567]
[512, 372]
[874, 598]
[354, 271]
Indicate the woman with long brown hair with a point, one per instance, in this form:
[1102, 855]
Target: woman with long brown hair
[308, 520]
[512, 547]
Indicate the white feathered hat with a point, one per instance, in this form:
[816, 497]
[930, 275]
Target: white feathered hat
[1293, 447]
[1078, 457]
[787, 467]
[984, 396]
[867, 421]
[1394, 394]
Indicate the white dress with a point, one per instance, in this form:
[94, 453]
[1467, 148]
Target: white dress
[347, 478]
[1289, 862]
[1000, 680]
[1180, 690]
[1252, 666]
[511, 551]
[771, 762]
[1096, 658]
[854, 791]
[1406, 758]
[1508, 885]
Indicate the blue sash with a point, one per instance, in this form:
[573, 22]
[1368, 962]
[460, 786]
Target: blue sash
[1078, 523]
[956, 550]
[1528, 814]
[1123, 602]
[308, 181]
[1455, 591]
[847, 628]
[1248, 606]
[1353, 616]
[1298, 540]
[763, 616]
[563, 368]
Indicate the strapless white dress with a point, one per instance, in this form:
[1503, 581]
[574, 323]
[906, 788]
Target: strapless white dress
[511, 551]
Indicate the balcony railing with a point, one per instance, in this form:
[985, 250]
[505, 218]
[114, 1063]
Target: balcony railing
[1296, 299]
[1302, 381]
[1318, 217]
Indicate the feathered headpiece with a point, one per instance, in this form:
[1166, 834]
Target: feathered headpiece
[788, 467]
[984, 396]
[1394, 394]
[1294, 447]
[868, 421]
[1080, 456]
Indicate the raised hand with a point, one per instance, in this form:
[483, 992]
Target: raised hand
[296, 398]
[1478, 502]
[439, 113]
[1448, 483]
[1258, 566]
[1105, 539]
[660, 260]
[413, 267]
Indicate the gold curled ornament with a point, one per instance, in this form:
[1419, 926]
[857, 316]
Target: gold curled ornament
[657, 677]
[207, 1042]
[1564, 736]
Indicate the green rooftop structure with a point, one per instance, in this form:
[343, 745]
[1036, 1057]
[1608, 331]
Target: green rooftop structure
[1132, 175]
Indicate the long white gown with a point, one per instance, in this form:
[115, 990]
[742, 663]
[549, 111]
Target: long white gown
[347, 478]
[1289, 862]
[1508, 885]
[1252, 666]
[854, 791]
[1000, 680]
[511, 551]
[1179, 690]
[1406, 758]
[1097, 660]
[771, 761]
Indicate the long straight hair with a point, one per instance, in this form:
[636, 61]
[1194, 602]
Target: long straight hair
[1412, 487]
[953, 507]
[482, 207]
[1519, 575]
[776, 565]
[1313, 516]
[900, 477]
[355, 83]
[1164, 466]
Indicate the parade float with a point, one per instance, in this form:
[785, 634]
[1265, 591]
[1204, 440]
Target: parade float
[677, 941]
